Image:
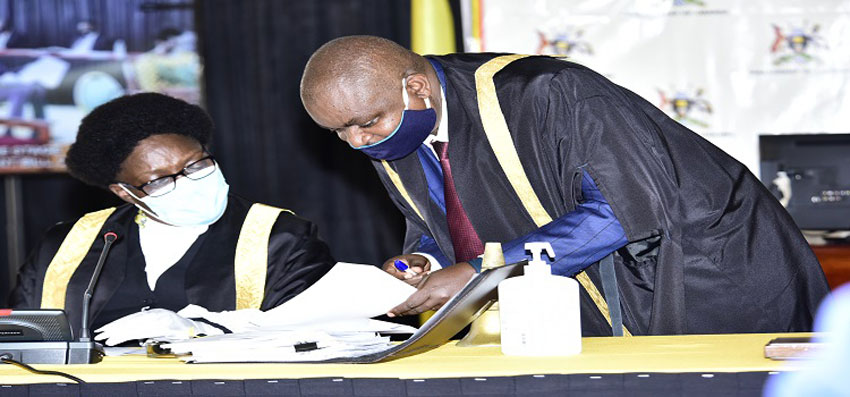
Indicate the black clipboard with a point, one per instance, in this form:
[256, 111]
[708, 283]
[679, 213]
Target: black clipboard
[456, 314]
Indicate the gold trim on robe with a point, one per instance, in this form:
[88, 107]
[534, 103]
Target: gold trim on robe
[399, 185]
[499, 136]
[249, 268]
[252, 250]
[74, 248]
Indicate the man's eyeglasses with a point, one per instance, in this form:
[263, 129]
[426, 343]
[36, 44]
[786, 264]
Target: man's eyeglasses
[164, 185]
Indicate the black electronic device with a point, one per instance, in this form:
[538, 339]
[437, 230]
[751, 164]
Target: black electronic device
[810, 175]
[44, 336]
[48, 325]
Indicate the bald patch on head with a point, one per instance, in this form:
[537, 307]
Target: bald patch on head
[363, 66]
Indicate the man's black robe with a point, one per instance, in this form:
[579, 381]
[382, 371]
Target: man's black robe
[296, 259]
[710, 250]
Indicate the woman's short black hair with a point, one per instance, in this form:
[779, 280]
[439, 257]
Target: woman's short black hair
[111, 131]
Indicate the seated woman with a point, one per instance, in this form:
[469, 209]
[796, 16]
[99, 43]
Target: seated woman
[183, 238]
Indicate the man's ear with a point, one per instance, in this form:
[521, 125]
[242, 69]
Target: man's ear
[418, 85]
[121, 193]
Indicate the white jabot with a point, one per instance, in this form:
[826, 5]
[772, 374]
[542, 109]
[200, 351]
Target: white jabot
[163, 245]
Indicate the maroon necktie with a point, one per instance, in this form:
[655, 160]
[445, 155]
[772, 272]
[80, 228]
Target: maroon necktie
[466, 243]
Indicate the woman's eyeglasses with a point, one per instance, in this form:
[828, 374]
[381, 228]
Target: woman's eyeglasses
[164, 185]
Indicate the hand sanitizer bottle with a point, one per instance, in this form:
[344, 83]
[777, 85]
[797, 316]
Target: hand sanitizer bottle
[539, 311]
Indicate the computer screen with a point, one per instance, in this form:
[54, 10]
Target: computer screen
[60, 60]
[810, 175]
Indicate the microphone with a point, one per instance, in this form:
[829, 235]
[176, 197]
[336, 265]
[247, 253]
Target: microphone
[85, 350]
[30, 341]
[108, 238]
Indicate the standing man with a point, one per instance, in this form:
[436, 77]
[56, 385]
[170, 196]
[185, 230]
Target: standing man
[513, 148]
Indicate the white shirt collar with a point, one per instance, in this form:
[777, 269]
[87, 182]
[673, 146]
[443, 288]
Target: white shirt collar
[443, 128]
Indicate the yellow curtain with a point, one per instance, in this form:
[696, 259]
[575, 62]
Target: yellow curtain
[431, 27]
[432, 31]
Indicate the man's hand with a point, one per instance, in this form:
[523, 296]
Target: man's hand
[435, 290]
[417, 264]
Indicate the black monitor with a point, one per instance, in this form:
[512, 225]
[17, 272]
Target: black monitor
[810, 175]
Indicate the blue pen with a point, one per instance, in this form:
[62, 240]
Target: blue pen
[402, 267]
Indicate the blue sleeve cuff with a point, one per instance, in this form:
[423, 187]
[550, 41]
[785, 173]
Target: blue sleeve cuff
[579, 238]
[429, 246]
[476, 264]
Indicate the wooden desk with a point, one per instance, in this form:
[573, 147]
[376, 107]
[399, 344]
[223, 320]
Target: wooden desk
[835, 261]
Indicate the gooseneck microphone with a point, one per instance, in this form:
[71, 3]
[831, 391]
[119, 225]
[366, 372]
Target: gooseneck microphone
[28, 335]
[108, 238]
[85, 350]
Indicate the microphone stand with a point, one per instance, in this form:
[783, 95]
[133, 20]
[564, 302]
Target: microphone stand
[85, 350]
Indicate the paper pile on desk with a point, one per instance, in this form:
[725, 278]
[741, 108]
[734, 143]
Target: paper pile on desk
[287, 345]
[330, 319]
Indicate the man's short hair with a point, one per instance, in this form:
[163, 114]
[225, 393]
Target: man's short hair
[111, 131]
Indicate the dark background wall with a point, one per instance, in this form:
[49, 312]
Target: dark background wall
[254, 52]
[270, 149]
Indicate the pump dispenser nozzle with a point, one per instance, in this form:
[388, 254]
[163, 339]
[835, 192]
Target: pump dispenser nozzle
[537, 265]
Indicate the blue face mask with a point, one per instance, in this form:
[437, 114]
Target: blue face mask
[414, 127]
[192, 202]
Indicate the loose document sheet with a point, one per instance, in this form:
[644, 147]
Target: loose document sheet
[330, 319]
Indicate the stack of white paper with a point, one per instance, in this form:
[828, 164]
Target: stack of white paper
[279, 345]
[330, 319]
